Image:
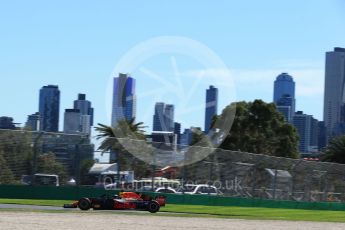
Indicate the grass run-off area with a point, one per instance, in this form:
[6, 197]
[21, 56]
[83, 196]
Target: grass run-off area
[222, 211]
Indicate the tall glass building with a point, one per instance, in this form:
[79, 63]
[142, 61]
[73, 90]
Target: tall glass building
[283, 85]
[49, 108]
[284, 95]
[84, 106]
[163, 118]
[302, 122]
[177, 131]
[72, 120]
[211, 106]
[124, 99]
[286, 105]
[169, 117]
[158, 117]
[86, 113]
[334, 97]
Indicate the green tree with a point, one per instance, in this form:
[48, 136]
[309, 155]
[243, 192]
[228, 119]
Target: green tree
[16, 152]
[197, 136]
[335, 151]
[110, 137]
[85, 167]
[46, 163]
[258, 128]
[6, 175]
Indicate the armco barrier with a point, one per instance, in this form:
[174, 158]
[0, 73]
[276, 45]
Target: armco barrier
[74, 193]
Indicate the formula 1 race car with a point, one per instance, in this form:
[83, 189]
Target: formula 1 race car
[123, 201]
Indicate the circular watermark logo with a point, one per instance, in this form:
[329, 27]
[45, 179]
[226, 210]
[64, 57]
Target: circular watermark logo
[174, 82]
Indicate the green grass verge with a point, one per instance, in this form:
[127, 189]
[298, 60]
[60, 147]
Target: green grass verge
[57, 203]
[221, 211]
[259, 213]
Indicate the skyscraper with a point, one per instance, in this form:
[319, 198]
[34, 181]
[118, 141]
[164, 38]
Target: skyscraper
[286, 111]
[169, 117]
[49, 108]
[334, 97]
[72, 121]
[211, 106]
[85, 124]
[321, 135]
[303, 123]
[177, 131]
[314, 135]
[158, 117]
[286, 105]
[124, 99]
[163, 118]
[284, 95]
[80, 118]
[86, 113]
[283, 85]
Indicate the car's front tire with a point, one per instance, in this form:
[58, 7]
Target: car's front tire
[153, 206]
[84, 204]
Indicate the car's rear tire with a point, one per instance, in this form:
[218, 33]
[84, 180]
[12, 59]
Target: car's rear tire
[153, 206]
[84, 204]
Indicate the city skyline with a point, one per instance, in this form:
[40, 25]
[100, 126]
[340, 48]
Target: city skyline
[256, 43]
[132, 79]
[124, 105]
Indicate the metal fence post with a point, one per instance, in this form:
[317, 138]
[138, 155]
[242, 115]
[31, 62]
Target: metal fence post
[34, 157]
[153, 170]
[77, 161]
[275, 183]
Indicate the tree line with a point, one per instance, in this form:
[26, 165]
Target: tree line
[17, 159]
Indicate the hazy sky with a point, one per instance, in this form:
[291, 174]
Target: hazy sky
[77, 44]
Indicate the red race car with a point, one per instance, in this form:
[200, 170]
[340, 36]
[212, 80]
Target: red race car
[123, 201]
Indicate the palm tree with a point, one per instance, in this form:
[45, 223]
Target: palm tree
[335, 151]
[110, 138]
[123, 129]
